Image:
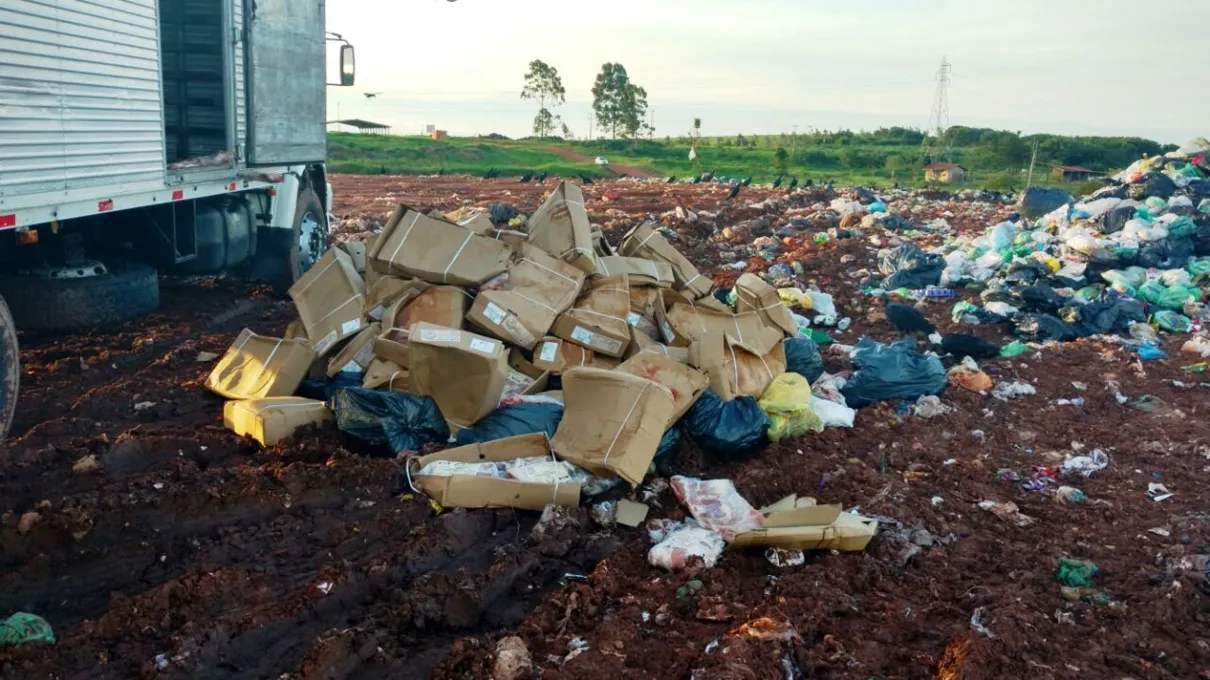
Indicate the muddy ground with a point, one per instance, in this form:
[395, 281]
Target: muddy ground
[157, 544]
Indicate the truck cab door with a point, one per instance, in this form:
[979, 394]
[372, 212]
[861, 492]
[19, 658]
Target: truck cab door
[285, 75]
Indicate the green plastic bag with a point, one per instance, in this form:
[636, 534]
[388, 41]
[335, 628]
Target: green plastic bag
[1155, 204]
[1171, 321]
[1075, 573]
[1182, 227]
[1013, 349]
[21, 628]
[1168, 297]
[1088, 293]
[1131, 277]
[962, 307]
[1199, 269]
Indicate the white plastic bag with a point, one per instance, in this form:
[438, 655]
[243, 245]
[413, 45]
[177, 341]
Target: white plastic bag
[831, 413]
[822, 303]
[678, 542]
[1085, 465]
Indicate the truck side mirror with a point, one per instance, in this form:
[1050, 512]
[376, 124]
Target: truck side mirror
[347, 65]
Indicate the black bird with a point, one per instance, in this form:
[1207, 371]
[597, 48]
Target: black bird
[697, 180]
[671, 179]
[585, 179]
[907, 319]
[793, 182]
[708, 176]
[491, 172]
[526, 177]
[734, 192]
[748, 181]
[540, 178]
[965, 345]
[777, 182]
[384, 170]
[441, 172]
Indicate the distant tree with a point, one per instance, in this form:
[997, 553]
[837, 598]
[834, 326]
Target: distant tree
[619, 104]
[894, 164]
[567, 134]
[739, 140]
[543, 84]
[781, 160]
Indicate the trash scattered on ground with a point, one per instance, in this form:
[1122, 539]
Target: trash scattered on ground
[22, 628]
[1005, 391]
[1085, 466]
[1008, 511]
[1158, 492]
[930, 406]
[1075, 573]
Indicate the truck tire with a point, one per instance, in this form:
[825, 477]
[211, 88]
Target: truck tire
[10, 369]
[310, 239]
[128, 290]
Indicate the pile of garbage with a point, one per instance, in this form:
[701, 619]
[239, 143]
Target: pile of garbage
[558, 365]
[1128, 259]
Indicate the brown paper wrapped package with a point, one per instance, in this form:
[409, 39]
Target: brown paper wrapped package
[684, 382]
[642, 272]
[522, 304]
[330, 298]
[388, 290]
[612, 422]
[385, 375]
[598, 318]
[438, 305]
[412, 244]
[754, 295]
[645, 242]
[463, 491]
[736, 370]
[684, 324]
[257, 366]
[560, 227]
[463, 372]
[271, 420]
[819, 527]
[357, 354]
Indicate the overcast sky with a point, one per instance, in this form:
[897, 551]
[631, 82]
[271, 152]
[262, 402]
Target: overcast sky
[1110, 67]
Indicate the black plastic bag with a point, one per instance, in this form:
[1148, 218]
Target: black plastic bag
[726, 427]
[907, 266]
[1153, 184]
[669, 442]
[502, 213]
[396, 421]
[1036, 201]
[895, 371]
[513, 420]
[1111, 316]
[1167, 253]
[1201, 239]
[802, 357]
[1044, 327]
[1115, 220]
[1041, 298]
[322, 389]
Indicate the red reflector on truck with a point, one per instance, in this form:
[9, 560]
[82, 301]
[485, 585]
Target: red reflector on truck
[231, 186]
[178, 195]
[105, 206]
[8, 221]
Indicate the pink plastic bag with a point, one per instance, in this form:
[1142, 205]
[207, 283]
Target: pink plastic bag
[717, 506]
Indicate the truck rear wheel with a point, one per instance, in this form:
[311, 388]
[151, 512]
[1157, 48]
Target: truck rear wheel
[124, 291]
[10, 369]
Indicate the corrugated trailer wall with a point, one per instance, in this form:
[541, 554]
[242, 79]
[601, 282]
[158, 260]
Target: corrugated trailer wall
[80, 102]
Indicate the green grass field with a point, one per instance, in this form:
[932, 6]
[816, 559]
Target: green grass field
[847, 161]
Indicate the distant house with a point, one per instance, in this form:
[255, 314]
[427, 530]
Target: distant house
[945, 173]
[439, 134]
[363, 126]
[1072, 173]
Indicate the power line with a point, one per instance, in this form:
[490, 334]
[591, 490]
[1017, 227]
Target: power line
[937, 142]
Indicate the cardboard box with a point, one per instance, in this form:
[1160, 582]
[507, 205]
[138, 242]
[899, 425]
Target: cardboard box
[258, 366]
[524, 378]
[443, 306]
[522, 304]
[641, 343]
[736, 369]
[464, 491]
[385, 375]
[646, 242]
[754, 295]
[271, 420]
[463, 372]
[646, 304]
[330, 298]
[386, 291]
[356, 355]
[598, 318]
[684, 382]
[560, 227]
[641, 272]
[479, 223]
[814, 527]
[684, 324]
[600, 246]
[612, 422]
[412, 244]
[373, 271]
[357, 253]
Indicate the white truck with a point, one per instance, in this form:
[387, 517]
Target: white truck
[147, 135]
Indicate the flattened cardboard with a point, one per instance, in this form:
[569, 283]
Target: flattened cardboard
[640, 343]
[646, 242]
[645, 303]
[357, 253]
[271, 420]
[386, 291]
[684, 382]
[464, 491]
[258, 366]
[385, 375]
[560, 226]
[754, 295]
[612, 422]
[522, 304]
[736, 370]
[641, 272]
[443, 306]
[600, 246]
[330, 298]
[463, 372]
[630, 513]
[555, 356]
[683, 324]
[479, 223]
[357, 354]
[821, 527]
[412, 244]
[598, 318]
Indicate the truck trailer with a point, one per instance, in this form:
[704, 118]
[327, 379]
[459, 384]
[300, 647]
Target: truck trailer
[139, 136]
